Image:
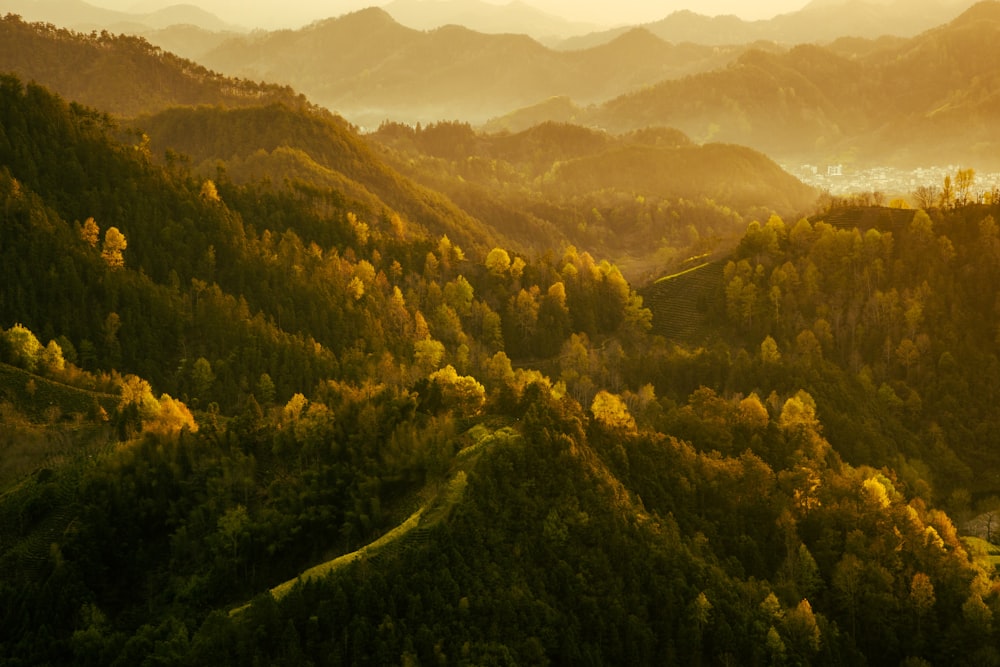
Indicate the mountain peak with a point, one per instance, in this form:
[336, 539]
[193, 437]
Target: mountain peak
[987, 10]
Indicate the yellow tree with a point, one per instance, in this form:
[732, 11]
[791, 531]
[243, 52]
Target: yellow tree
[114, 245]
[463, 392]
[90, 232]
[965, 179]
[610, 410]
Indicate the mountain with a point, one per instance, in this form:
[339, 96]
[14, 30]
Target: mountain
[513, 17]
[83, 16]
[369, 68]
[926, 100]
[184, 39]
[818, 22]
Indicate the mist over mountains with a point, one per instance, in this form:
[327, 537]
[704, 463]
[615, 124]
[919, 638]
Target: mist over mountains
[807, 102]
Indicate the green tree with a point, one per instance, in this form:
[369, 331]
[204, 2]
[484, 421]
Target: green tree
[265, 389]
[202, 378]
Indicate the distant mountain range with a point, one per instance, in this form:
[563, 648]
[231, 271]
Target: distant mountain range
[820, 21]
[514, 17]
[368, 67]
[85, 17]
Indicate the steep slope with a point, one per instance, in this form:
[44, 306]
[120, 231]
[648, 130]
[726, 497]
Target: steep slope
[732, 175]
[943, 90]
[275, 143]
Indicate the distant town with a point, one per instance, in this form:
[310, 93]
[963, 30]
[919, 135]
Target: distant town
[841, 180]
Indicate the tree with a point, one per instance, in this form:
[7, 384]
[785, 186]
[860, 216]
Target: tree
[926, 196]
[610, 410]
[922, 597]
[202, 377]
[802, 632]
[427, 355]
[458, 294]
[136, 391]
[498, 262]
[947, 196]
[90, 232]
[751, 414]
[114, 245]
[769, 352]
[265, 389]
[171, 417]
[209, 192]
[24, 348]
[231, 525]
[463, 392]
[965, 179]
[51, 358]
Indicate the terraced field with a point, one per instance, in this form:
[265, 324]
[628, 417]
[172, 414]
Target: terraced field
[40, 399]
[883, 219]
[681, 302]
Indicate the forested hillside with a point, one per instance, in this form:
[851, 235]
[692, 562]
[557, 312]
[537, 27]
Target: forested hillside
[274, 392]
[645, 199]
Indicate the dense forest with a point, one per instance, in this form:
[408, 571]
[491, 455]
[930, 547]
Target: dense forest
[265, 399]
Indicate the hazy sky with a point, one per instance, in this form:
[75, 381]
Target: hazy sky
[293, 13]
